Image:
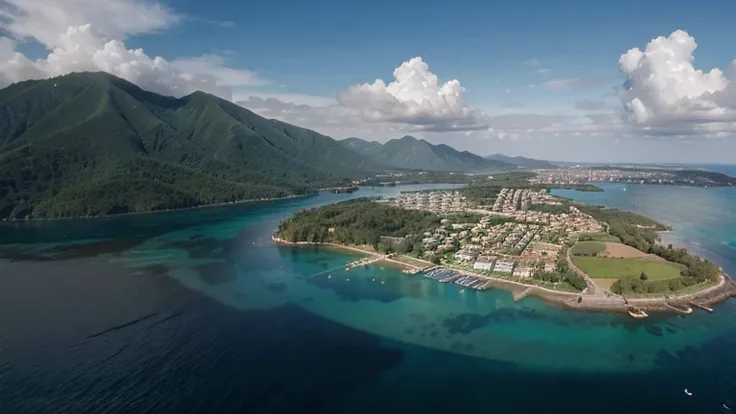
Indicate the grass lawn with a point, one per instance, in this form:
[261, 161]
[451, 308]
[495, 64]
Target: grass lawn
[601, 237]
[605, 283]
[605, 268]
[588, 247]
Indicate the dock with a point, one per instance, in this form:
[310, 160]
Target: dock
[700, 306]
[363, 262]
[521, 295]
[688, 310]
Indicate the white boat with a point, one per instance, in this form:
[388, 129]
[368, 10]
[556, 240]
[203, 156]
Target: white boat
[688, 392]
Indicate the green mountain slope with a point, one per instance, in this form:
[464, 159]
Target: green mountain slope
[522, 162]
[361, 146]
[89, 144]
[418, 154]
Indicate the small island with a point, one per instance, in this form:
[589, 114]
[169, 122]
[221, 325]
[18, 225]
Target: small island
[520, 238]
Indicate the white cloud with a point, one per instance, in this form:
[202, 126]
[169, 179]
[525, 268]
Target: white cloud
[44, 20]
[586, 82]
[81, 48]
[215, 65]
[415, 98]
[664, 87]
[289, 98]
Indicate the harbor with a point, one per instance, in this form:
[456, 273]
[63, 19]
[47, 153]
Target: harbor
[443, 275]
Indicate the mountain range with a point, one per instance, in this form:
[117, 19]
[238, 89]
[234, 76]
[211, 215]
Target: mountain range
[522, 162]
[90, 144]
[417, 154]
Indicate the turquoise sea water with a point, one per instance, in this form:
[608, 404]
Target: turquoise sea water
[197, 311]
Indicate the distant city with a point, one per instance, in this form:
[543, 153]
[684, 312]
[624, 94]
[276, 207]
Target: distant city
[578, 175]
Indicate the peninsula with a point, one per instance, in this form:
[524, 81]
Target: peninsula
[523, 240]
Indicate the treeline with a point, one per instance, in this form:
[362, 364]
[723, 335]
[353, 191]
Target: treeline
[632, 229]
[641, 233]
[577, 187]
[60, 184]
[358, 222]
[564, 273]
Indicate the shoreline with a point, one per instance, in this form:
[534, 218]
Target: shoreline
[171, 210]
[589, 302]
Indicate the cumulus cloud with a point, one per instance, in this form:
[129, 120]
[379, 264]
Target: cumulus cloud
[415, 97]
[215, 65]
[663, 86]
[44, 20]
[88, 35]
[81, 48]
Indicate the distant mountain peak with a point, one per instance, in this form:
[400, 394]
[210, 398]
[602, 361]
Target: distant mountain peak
[522, 162]
[411, 153]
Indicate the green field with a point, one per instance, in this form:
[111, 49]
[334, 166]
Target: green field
[588, 247]
[601, 237]
[605, 268]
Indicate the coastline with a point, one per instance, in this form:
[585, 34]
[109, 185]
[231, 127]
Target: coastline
[589, 302]
[171, 210]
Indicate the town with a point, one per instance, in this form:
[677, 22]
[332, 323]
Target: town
[580, 175]
[520, 235]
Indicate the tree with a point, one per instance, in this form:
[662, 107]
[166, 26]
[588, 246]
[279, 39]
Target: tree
[643, 276]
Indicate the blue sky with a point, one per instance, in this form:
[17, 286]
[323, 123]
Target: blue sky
[319, 47]
[531, 71]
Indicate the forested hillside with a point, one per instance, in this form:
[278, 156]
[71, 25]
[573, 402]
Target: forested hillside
[417, 154]
[90, 144]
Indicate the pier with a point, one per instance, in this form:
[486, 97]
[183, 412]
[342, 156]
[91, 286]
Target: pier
[688, 310]
[521, 295]
[700, 306]
[363, 262]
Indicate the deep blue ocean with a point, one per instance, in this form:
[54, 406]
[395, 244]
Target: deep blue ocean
[198, 312]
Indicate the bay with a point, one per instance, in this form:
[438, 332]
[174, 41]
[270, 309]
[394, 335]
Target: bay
[197, 311]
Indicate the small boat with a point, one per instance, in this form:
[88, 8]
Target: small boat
[688, 392]
[462, 290]
[637, 313]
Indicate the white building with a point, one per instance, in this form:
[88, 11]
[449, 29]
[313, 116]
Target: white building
[503, 267]
[483, 264]
[466, 256]
[523, 271]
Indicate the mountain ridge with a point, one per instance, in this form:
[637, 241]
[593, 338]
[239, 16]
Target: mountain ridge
[522, 162]
[91, 144]
[411, 153]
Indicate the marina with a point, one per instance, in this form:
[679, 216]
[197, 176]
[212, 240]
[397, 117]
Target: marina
[449, 276]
